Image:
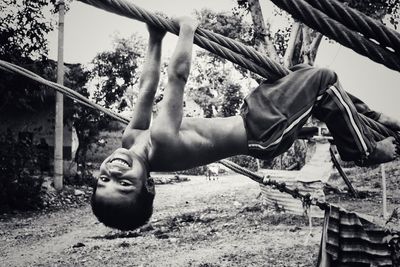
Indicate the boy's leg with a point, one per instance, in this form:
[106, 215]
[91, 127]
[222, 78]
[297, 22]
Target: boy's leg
[275, 112]
[363, 108]
[352, 137]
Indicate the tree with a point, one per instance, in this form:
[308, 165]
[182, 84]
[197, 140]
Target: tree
[86, 121]
[23, 28]
[23, 31]
[214, 87]
[233, 26]
[214, 82]
[297, 43]
[114, 72]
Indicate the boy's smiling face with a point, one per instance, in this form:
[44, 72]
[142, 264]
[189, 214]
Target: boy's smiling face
[122, 176]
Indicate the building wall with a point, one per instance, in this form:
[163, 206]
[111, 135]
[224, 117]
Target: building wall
[39, 122]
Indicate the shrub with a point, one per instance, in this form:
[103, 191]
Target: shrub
[247, 162]
[84, 176]
[296, 154]
[201, 170]
[19, 188]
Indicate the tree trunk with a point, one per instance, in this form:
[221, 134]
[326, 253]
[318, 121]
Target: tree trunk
[311, 42]
[314, 46]
[263, 38]
[81, 151]
[295, 39]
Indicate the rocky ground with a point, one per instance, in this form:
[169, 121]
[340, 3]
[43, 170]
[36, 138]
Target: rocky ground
[195, 223]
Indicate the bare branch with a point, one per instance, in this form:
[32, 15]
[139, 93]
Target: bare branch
[264, 40]
[293, 40]
[306, 48]
[315, 45]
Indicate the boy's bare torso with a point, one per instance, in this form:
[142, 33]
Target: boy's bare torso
[200, 141]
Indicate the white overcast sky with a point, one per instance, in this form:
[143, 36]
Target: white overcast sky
[89, 30]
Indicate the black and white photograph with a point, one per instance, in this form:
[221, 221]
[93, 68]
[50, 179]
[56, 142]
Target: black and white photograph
[201, 133]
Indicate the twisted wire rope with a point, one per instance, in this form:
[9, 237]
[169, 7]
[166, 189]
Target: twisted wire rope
[378, 130]
[248, 57]
[272, 69]
[12, 68]
[306, 198]
[206, 39]
[219, 45]
[358, 21]
[282, 187]
[333, 29]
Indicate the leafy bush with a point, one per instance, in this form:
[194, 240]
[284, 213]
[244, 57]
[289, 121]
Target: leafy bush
[84, 176]
[296, 154]
[19, 187]
[201, 170]
[247, 162]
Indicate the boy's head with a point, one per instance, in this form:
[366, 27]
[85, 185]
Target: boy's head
[124, 194]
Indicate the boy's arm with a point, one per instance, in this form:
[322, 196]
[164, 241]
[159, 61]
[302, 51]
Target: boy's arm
[148, 82]
[165, 128]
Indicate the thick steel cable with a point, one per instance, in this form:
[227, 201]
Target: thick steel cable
[359, 22]
[295, 193]
[208, 40]
[299, 9]
[218, 44]
[234, 57]
[247, 51]
[331, 28]
[12, 68]
[380, 132]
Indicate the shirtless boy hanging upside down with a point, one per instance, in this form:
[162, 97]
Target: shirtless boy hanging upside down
[270, 120]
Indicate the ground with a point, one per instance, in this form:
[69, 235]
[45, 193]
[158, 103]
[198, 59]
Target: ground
[195, 223]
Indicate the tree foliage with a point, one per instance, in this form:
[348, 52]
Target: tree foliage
[295, 43]
[306, 41]
[213, 88]
[19, 189]
[214, 82]
[377, 9]
[24, 26]
[116, 71]
[232, 25]
[87, 121]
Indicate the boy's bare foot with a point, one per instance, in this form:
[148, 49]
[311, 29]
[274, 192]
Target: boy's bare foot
[386, 150]
[390, 122]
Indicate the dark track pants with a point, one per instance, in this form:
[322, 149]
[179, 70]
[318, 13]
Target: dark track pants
[275, 112]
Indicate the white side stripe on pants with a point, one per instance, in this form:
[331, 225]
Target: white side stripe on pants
[352, 121]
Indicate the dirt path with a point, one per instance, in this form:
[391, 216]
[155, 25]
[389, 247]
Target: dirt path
[195, 223]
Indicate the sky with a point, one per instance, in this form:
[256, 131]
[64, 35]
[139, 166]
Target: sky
[89, 30]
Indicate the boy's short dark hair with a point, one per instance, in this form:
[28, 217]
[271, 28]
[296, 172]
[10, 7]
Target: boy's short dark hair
[124, 216]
